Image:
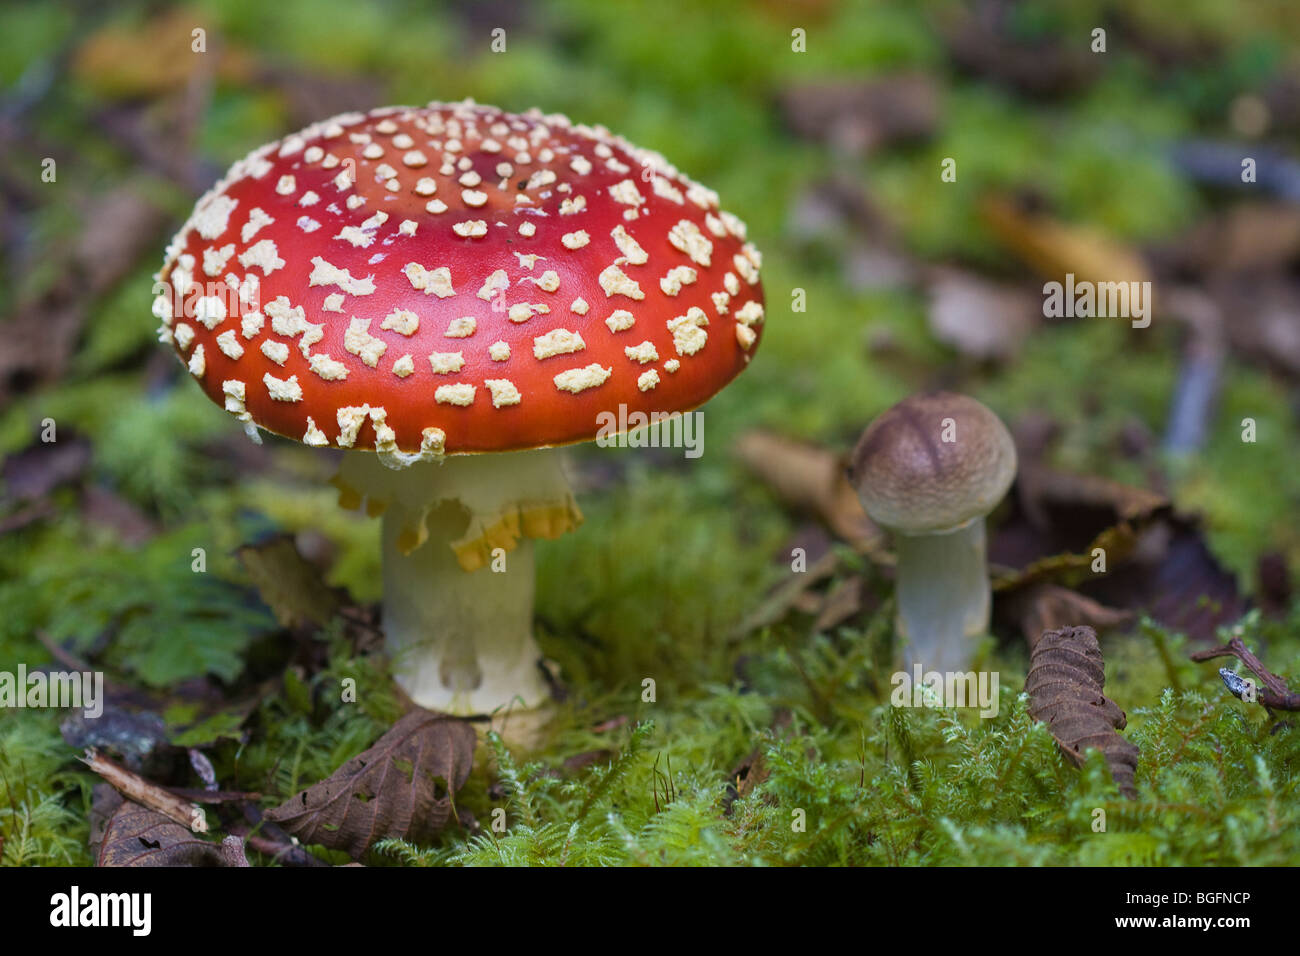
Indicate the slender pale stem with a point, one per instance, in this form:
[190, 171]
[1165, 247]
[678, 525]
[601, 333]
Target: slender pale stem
[943, 596]
[460, 641]
[458, 570]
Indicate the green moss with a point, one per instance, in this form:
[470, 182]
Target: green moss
[902, 787]
[43, 799]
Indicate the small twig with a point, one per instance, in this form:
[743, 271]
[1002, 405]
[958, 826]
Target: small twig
[61, 654]
[268, 839]
[777, 604]
[71, 661]
[214, 796]
[286, 854]
[137, 788]
[1273, 692]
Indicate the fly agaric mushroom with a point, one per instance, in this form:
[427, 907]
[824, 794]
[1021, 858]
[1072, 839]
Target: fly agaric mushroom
[930, 469]
[442, 290]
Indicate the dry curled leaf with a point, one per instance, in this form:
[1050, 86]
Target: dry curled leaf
[1043, 606]
[809, 478]
[1054, 248]
[401, 787]
[1120, 545]
[153, 58]
[753, 771]
[1060, 521]
[138, 836]
[43, 331]
[1066, 677]
[981, 319]
[289, 584]
[744, 779]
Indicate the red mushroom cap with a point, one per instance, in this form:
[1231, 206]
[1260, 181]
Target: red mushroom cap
[457, 279]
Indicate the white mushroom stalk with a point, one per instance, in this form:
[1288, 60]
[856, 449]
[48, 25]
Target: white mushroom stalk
[943, 595]
[929, 470]
[459, 573]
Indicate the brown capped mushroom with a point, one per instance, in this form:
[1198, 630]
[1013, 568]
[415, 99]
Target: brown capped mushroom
[442, 290]
[930, 469]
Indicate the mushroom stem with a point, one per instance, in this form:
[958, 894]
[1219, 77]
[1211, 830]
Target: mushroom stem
[461, 642]
[458, 570]
[943, 595]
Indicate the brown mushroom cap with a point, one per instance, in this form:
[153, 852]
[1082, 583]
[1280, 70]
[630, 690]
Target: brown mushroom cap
[913, 481]
[454, 279]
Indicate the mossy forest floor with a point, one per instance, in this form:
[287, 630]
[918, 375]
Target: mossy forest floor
[769, 745]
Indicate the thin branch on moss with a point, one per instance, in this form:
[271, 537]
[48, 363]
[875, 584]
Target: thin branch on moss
[268, 839]
[72, 662]
[147, 794]
[1273, 692]
[213, 796]
[285, 854]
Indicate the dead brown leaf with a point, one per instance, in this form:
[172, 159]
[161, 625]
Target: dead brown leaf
[981, 38]
[1155, 560]
[744, 778]
[585, 759]
[842, 603]
[1066, 677]
[1060, 519]
[153, 58]
[118, 227]
[124, 833]
[752, 771]
[1265, 320]
[104, 507]
[1049, 488]
[810, 479]
[1053, 249]
[981, 319]
[1175, 578]
[401, 787]
[1274, 576]
[40, 468]
[613, 723]
[289, 584]
[17, 520]
[1249, 237]
[1043, 606]
[859, 116]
